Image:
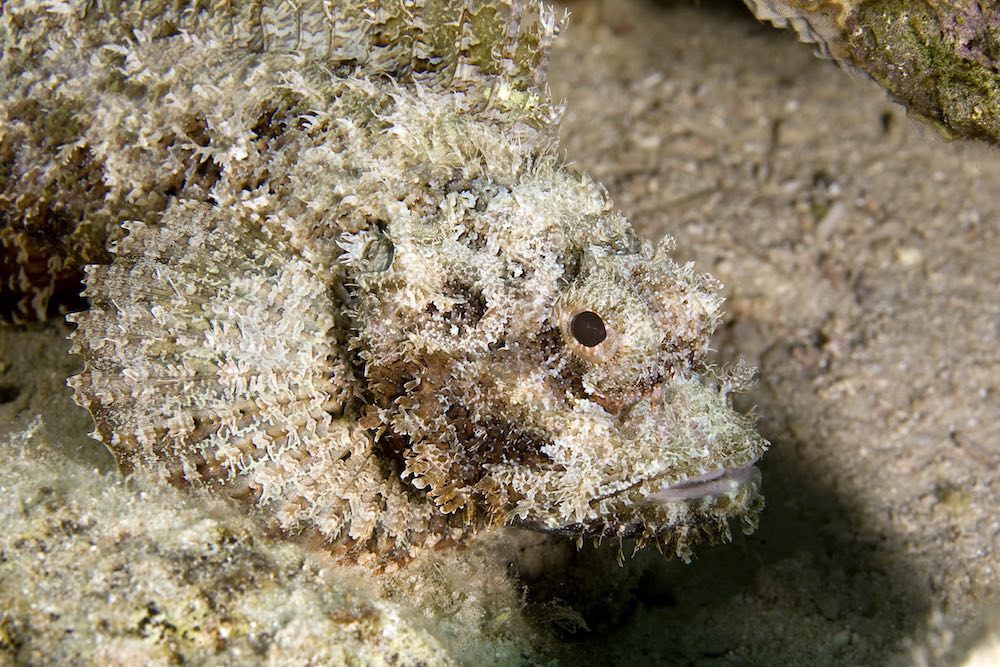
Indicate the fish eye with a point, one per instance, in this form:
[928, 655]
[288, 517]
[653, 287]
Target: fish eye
[588, 329]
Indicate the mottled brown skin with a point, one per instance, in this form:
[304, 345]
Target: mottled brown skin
[348, 299]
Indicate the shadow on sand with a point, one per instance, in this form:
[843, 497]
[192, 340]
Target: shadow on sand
[813, 586]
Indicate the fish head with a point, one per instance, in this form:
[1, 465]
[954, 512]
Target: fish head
[531, 361]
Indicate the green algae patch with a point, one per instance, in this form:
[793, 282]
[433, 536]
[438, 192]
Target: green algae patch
[938, 60]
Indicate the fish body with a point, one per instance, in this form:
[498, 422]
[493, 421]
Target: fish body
[353, 285]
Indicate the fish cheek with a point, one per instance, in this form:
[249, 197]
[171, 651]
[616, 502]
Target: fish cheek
[467, 464]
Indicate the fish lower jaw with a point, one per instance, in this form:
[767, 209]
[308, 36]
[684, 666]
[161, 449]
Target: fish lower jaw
[715, 483]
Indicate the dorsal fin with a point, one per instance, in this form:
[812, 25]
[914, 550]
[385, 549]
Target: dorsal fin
[460, 43]
[433, 41]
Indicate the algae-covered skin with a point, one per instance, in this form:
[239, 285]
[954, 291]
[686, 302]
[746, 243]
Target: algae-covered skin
[360, 292]
[940, 59]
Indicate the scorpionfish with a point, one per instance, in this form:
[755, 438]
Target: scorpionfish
[337, 270]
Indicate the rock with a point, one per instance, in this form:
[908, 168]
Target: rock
[940, 59]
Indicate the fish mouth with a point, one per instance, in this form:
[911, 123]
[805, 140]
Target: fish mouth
[721, 481]
[716, 483]
[713, 483]
[694, 470]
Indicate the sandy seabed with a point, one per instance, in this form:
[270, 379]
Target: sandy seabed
[861, 257]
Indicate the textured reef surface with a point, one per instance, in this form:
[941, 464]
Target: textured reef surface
[940, 59]
[98, 571]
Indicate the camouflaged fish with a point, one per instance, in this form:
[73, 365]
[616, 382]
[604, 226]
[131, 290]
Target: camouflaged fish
[359, 291]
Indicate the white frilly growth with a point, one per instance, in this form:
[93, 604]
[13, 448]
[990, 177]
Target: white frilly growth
[212, 353]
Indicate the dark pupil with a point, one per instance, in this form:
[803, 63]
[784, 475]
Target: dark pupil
[588, 329]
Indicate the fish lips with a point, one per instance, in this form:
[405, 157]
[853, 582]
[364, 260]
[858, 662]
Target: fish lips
[701, 493]
[713, 483]
[709, 471]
